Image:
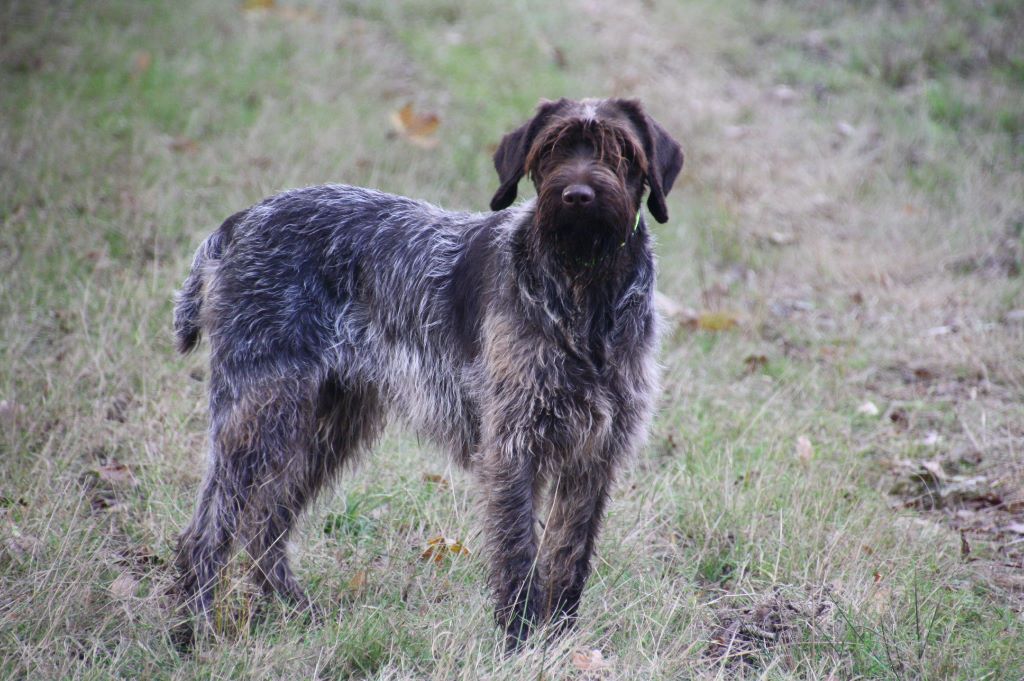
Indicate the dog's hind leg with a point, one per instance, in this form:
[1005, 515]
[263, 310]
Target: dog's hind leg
[346, 419]
[205, 545]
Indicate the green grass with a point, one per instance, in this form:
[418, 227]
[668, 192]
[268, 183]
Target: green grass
[130, 130]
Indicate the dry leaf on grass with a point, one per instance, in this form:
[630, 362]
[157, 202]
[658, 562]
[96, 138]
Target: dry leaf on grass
[717, 321]
[590, 661]
[868, 409]
[416, 127]
[141, 61]
[439, 547]
[804, 449]
[184, 145]
[438, 480]
[754, 363]
[777, 238]
[116, 473]
[124, 586]
[357, 583]
[259, 8]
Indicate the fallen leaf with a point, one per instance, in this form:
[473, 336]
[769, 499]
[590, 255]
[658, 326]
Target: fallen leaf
[358, 581]
[438, 480]
[589, 660]
[290, 13]
[845, 129]
[558, 56]
[124, 586]
[141, 61]
[251, 5]
[804, 449]
[116, 473]
[778, 238]
[755, 363]
[458, 549]
[735, 132]
[184, 145]
[717, 321]
[438, 547]
[868, 409]
[418, 128]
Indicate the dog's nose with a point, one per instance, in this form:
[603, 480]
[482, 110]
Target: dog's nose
[577, 195]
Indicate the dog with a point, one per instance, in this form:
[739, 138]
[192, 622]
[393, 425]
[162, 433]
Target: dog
[522, 341]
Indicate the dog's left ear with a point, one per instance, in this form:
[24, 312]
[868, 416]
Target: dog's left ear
[664, 157]
[510, 157]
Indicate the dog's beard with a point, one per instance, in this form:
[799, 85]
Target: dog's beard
[584, 234]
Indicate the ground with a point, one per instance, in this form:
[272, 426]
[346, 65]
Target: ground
[833, 487]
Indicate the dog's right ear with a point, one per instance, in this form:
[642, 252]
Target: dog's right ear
[510, 157]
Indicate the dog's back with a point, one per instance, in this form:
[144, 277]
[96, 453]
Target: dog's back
[351, 283]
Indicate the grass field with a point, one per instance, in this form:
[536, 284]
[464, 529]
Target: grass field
[834, 487]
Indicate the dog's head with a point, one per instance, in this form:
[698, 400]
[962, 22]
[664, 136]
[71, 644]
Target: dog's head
[589, 161]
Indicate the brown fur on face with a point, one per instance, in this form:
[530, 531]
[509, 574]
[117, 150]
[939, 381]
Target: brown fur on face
[605, 156]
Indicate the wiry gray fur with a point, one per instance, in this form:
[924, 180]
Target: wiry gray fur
[521, 341]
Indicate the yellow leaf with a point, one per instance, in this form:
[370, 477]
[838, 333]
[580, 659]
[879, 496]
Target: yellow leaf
[717, 321]
[458, 549]
[435, 549]
[416, 127]
[438, 547]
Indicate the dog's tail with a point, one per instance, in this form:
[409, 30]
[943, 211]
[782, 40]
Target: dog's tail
[189, 300]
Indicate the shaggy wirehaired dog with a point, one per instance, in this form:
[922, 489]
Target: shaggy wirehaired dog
[522, 341]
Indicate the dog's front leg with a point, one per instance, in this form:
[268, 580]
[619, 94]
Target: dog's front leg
[509, 477]
[578, 501]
